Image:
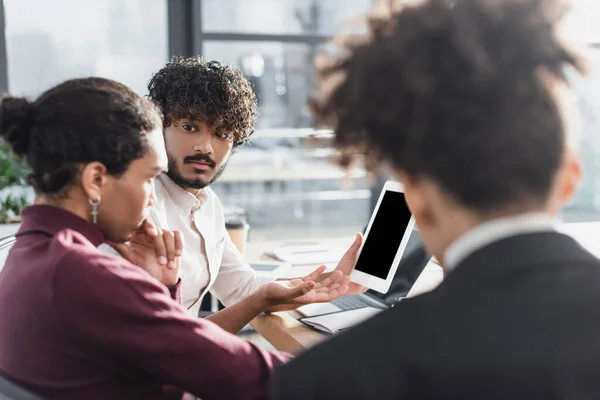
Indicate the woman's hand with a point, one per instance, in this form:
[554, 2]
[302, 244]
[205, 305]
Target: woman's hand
[156, 251]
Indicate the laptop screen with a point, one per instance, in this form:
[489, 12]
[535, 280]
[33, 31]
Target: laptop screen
[410, 266]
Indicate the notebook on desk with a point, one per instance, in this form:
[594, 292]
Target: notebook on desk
[339, 321]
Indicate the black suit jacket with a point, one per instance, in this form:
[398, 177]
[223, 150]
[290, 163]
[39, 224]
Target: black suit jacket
[518, 319]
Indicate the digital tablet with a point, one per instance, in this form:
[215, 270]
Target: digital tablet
[385, 239]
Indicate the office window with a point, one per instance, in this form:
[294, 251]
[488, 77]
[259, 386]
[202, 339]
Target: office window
[285, 178]
[50, 41]
[281, 75]
[586, 204]
[582, 21]
[581, 25]
[286, 17]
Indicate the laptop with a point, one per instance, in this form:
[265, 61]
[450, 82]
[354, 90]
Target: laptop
[410, 266]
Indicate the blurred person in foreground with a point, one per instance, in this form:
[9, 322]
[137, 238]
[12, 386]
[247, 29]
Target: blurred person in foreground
[467, 100]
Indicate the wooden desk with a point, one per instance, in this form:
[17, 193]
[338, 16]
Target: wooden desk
[285, 332]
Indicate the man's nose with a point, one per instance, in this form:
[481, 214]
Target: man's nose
[204, 143]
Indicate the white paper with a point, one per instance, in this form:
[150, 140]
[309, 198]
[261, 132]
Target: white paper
[333, 323]
[302, 255]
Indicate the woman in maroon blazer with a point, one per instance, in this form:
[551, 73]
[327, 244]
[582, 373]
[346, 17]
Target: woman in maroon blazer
[76, 323]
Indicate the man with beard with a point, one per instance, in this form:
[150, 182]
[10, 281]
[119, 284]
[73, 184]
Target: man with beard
[209, 109]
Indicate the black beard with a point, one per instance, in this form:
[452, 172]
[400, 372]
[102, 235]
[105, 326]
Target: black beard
[176, 177]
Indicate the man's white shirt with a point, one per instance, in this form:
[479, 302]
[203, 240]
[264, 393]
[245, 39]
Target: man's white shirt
[210, 260]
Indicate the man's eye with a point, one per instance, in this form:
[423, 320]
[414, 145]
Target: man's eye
[188, 128]
[223, 135]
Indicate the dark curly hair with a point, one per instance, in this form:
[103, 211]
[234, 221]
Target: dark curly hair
[458, 91]
[79, 121]
[220, 95]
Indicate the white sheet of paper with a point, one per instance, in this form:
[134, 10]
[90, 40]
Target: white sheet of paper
[313, 254]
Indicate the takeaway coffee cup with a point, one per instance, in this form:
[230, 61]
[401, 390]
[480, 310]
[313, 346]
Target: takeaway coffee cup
[237, 227]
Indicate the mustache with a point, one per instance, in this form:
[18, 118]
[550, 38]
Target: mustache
[200, 158]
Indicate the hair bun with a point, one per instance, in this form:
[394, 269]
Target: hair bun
[16, 121]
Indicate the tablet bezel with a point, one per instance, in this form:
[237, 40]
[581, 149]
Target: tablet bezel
[374, 282]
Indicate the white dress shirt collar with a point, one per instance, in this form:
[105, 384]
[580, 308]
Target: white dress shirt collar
[187, 204]
[493, 231]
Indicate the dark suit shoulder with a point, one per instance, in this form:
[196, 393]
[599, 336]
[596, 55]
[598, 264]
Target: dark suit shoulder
[530, 301]
[359, 363]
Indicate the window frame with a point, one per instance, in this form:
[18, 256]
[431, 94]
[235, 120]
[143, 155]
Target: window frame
[187, 35]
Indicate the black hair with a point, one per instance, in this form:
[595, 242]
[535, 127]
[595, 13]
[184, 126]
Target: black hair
[220, 95]
[77, 122]
[458, 91]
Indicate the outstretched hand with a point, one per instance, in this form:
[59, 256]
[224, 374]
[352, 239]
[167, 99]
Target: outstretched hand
[347, 264]
[306, 290]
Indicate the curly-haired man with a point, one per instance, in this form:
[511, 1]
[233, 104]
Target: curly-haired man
[209, 109]
[467, 101]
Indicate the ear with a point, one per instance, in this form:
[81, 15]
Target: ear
[94, 179]
[572, 174]
[414, 195]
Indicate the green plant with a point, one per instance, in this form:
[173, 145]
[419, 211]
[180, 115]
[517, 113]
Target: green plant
[11, 172]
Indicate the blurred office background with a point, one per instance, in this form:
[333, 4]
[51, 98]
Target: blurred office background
[284, 180]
